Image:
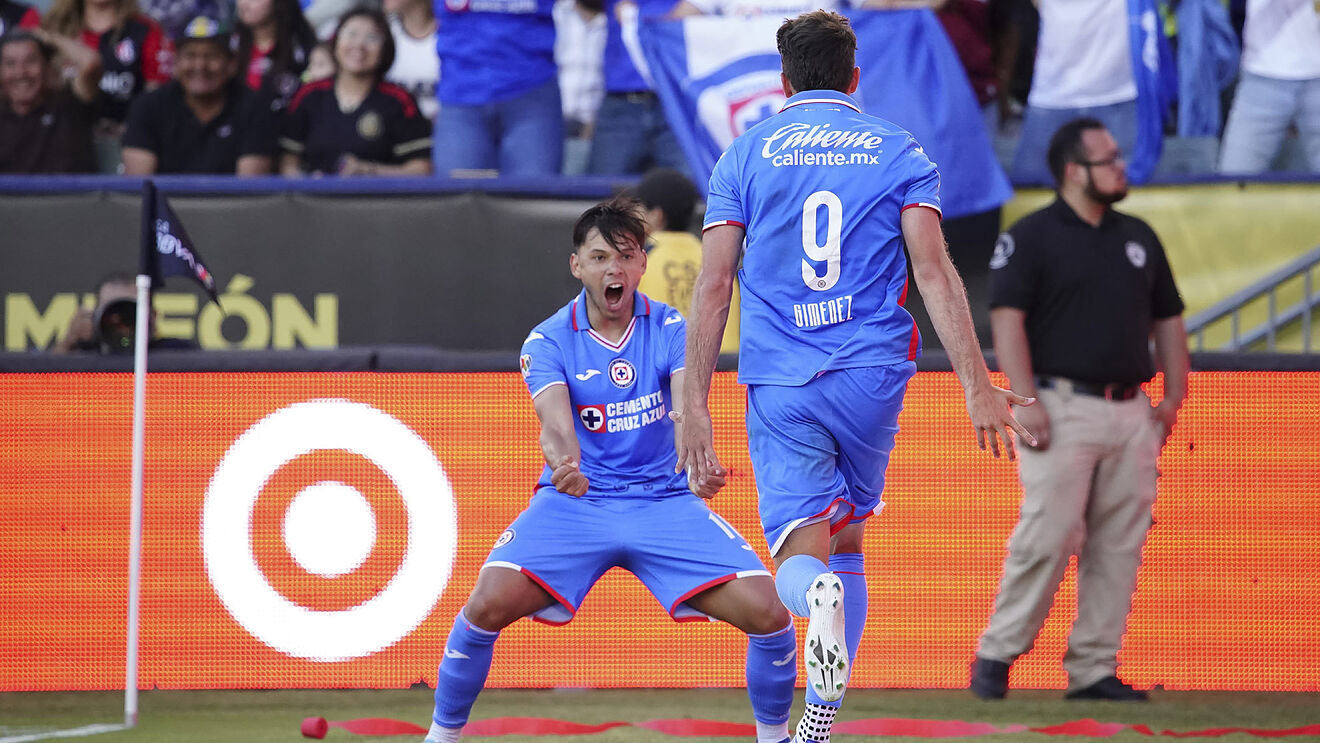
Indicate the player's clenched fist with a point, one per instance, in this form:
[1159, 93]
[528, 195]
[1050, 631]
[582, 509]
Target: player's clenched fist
[710, 483]
[567, 478]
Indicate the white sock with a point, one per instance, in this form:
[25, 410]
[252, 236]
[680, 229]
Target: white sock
[438, 734]
[817, 719]
[771, 733]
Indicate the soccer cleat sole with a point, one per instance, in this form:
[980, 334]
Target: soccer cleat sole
[826, 654]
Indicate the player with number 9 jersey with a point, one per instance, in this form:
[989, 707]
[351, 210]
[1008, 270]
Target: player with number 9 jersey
[820, 202]
[819, 190]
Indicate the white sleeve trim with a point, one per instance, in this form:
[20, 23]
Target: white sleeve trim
[545, 387]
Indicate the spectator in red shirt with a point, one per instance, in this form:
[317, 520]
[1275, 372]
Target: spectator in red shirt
[135, 54]
[274, 45]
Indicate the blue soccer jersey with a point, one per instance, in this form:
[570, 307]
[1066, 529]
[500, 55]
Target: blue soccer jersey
[619, 393]
[819, 189]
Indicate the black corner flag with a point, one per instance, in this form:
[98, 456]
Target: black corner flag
[166, 248]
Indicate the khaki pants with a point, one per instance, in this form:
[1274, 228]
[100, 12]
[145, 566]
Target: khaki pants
[1089, 494]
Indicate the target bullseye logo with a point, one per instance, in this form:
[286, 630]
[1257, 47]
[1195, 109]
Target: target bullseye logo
[330, 529]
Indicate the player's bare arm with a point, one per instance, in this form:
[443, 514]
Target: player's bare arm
[945, 299]
[1008, 325]
[706, 320]
[716, 477]
[1171, 355]
[559, 444]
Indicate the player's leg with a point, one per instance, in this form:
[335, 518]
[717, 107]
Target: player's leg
[801, 492]
[810, 589]
[697, 565]
[533, 570]
[847, 563]
[751, 605]
[501, 597]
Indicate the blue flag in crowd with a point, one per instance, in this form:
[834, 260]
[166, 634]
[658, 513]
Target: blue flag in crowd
[1208, 54]
[716, 77]
[1157, 86]
[166, 248]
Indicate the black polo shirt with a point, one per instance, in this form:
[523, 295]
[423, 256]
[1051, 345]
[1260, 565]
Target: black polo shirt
[1090, 293]
[385, 128]
[162, 122]
[55, 137]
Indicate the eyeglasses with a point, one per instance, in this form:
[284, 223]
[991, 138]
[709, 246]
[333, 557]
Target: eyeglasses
[1110, 161]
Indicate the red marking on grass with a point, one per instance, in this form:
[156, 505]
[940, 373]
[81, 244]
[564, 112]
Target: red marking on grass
[316, 727]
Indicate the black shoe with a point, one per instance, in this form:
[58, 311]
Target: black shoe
[989, 678]
[1109, 689]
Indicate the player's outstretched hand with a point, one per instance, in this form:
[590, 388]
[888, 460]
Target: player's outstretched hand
[992, 416]
[567, 478]
[696, 453]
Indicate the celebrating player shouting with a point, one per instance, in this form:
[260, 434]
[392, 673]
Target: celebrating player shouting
[826, 197]
[602, 371]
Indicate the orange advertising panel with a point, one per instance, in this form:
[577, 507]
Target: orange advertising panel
[321, 530]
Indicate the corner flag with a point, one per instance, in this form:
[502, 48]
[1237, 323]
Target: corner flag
[166, 248]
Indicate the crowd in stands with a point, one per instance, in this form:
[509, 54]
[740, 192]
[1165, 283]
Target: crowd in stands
[543, 87]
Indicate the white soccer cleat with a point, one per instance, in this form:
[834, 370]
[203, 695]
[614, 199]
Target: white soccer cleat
[826, 654]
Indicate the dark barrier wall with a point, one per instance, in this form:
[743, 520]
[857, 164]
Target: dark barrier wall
[466, 270]
[323, 264]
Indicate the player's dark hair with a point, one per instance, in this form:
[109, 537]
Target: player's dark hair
[673, 192]
[17, 35]
[818, 50]
[619, 222]
[382, 27]
[1066, 145]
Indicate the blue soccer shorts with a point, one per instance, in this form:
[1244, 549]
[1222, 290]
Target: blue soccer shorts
[820, 450]
[675, 545]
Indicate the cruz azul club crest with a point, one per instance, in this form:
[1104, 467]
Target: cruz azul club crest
[622, 373]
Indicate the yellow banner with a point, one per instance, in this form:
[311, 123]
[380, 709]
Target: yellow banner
[1220, 239]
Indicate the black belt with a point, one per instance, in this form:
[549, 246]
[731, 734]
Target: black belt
[1113, 391]
[635, 96]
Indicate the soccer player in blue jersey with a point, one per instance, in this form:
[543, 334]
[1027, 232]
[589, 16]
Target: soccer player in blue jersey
[603, 372]
[825, 197]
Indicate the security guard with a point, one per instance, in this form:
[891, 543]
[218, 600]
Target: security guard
[1076, 292]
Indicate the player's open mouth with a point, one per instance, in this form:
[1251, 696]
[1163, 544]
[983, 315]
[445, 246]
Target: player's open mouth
[613, 294]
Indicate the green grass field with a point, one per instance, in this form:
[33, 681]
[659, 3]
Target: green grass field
[274, 716]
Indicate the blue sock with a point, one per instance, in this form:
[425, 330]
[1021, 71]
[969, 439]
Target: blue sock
[462, 672]
[772, 675]
[851, 569]
[794, 578]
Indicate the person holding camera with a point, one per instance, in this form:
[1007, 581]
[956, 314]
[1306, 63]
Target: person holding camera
[110, 327]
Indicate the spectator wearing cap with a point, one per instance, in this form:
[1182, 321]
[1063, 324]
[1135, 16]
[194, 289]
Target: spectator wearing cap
[673, 253]
[43, 128]
[355, 123]
[17, 15]
[136, 56]
[203, 121]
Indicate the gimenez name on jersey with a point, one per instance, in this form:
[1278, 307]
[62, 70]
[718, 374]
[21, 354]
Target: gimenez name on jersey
[628, 415]
[843, 147]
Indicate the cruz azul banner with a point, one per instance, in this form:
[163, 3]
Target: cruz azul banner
[320, 530]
